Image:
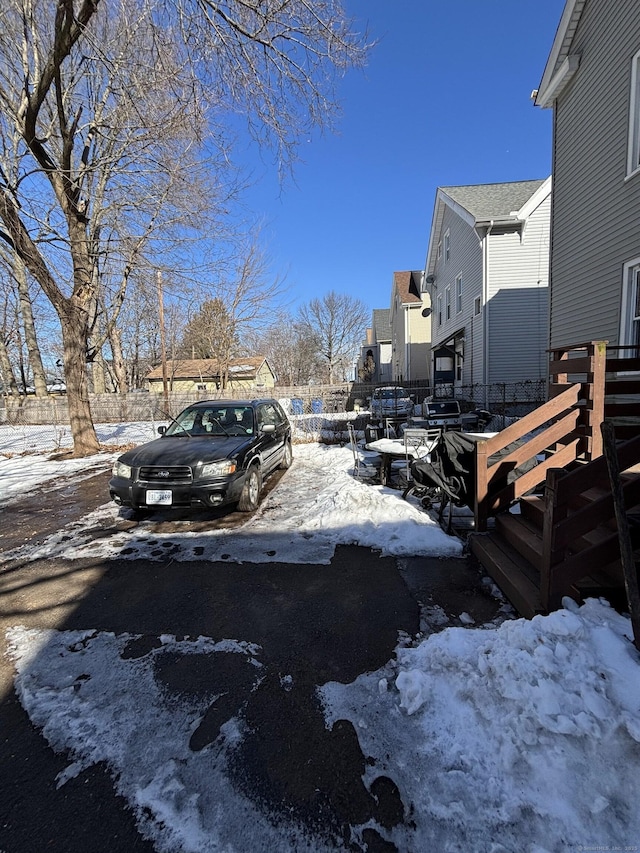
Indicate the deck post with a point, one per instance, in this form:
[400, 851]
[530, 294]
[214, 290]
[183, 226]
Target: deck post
[595, 412]
[552, 514]
[481, 509]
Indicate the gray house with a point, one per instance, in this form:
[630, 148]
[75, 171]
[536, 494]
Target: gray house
[374, 364]
[487, 273]
[592, 82]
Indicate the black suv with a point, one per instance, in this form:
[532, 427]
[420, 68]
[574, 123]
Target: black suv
[215, 452]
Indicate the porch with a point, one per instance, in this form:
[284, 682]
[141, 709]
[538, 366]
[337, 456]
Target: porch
[554, 530]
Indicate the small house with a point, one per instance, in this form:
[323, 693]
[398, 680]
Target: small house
[252, 374]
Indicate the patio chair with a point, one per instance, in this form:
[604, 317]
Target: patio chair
[366, 463]
[418, 443]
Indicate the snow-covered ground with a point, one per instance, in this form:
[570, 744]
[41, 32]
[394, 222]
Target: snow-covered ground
[522, 736]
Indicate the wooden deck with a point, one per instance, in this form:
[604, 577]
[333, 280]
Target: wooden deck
[555, 531]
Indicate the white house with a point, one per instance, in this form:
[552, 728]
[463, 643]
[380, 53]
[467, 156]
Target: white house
[487, 273]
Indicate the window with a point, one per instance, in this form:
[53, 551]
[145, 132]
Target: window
[447, 302]
[476, 306]
[439, 249]
[459, 294]
[269, 414]
[630, 328]
[447, 246]
[440, 310]
[633, 152]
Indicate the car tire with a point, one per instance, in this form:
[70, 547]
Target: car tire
[287, 458]
[250, 497]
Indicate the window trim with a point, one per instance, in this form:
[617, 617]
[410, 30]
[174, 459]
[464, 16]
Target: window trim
[477, 306]
[447, 302]
[439, 309]
[633, 145]
[447, 245]
[459, 294]
[630, 289]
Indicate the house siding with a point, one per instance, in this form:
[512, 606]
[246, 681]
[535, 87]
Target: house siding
[418, 347]
[465, 260]
[410, 331]
[517, 300]
[384, 368]
[595, 210]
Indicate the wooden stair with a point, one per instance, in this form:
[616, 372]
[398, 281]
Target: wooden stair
[586, 547]
[518, 579]
[565, 541]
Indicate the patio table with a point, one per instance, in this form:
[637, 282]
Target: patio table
[390, 449]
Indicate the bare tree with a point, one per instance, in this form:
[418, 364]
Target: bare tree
[97, 89]
[247, 300]
[139, 332]
[99, 183]
[337, 323]
[8, 320]
[291, 351]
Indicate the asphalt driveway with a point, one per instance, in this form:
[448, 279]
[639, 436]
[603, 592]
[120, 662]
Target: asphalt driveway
[314, 623]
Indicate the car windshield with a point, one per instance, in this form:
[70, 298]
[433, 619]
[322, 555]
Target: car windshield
[390, 393]
[213, 420]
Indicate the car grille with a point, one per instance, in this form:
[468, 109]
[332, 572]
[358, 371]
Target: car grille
[165, 474]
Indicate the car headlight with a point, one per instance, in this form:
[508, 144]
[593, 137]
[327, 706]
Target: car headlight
[218, 469]
[121, 470]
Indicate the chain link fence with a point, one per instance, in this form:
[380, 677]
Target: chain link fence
[317, 413]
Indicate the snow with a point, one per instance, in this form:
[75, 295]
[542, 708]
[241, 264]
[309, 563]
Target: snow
[523, 735]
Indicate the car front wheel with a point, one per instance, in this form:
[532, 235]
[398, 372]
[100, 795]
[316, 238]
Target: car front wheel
[250, 497]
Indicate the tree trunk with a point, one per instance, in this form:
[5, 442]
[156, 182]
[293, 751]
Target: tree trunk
[9, 379]
[98, 374]
[119, 367]
[74, 338]
[30, 338]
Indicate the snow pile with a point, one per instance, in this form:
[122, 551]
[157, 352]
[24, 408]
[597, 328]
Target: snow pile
[526, 737]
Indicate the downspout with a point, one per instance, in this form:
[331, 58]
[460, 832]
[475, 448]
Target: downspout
[485, 304]
[407, 342]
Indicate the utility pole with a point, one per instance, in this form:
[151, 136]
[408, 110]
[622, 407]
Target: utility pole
[163, 346]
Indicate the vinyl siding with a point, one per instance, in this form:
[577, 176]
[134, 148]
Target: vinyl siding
[517, 293]
[595, 211]
[465, 260]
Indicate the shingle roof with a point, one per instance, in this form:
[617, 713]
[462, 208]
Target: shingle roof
[493, 201]
[382, 324]
[408, 286]
[208, 368]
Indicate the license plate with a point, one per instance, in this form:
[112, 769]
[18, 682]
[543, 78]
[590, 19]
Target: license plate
[159, 496]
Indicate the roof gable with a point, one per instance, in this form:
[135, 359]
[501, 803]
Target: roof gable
[485, 204]
[407, 286]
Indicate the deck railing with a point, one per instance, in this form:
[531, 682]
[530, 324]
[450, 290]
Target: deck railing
[564, 429]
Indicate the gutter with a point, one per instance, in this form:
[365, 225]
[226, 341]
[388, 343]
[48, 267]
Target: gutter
[485, 304]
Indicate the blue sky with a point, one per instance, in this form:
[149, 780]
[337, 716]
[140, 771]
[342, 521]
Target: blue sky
[445, 100]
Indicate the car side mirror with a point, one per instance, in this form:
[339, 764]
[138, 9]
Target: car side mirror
[162, 430]
[267, 429]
